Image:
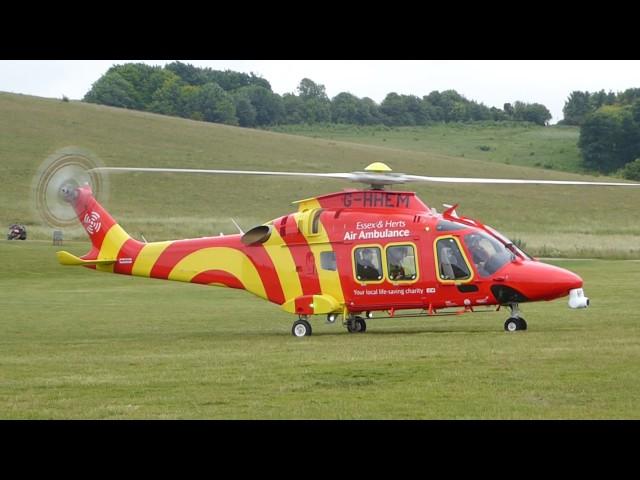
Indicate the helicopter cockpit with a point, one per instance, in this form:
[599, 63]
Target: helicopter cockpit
[487, 253]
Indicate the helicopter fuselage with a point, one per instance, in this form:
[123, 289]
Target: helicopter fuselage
[346, 252]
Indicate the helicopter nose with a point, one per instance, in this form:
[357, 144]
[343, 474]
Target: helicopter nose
[541, 281]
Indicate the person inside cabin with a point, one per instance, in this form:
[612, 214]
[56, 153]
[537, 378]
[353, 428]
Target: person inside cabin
[368, 264]
[401, 267]
[478, 253]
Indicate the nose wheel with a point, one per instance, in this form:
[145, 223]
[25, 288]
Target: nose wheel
[515, 322]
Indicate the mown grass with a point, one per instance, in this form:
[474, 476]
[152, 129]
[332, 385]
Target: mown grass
[511, 143]
[79, 344]
[564, 221]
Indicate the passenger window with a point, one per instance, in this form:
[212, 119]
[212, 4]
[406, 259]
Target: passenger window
[401, 262]
[368, 263]
[451, 263]
[328, 260]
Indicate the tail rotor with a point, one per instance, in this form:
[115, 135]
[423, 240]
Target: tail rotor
[55, 183]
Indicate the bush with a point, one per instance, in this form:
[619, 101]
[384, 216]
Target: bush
[631, 170]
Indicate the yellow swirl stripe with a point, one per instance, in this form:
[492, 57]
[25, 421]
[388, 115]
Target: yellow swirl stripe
[281, 257]
[329, 279]
[226, 259]
[147, 257]
[111, 245]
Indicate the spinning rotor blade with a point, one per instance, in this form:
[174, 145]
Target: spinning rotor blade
[69, 167]
[418, 178]
[377, 177]
[232, 172]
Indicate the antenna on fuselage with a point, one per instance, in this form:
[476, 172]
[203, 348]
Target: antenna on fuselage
[238, 227]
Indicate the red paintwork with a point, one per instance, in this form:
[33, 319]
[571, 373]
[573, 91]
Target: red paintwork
[383, 216]
[345, 211]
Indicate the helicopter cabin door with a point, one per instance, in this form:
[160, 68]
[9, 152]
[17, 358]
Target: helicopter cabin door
[454, 272]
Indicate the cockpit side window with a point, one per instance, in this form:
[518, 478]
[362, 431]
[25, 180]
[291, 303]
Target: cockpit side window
[487, 253]
[452, 265]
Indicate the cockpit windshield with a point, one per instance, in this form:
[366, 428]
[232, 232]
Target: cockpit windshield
[487, 253]
[510, 245]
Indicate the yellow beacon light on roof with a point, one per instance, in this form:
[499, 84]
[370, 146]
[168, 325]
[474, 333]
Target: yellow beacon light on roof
[377, 167]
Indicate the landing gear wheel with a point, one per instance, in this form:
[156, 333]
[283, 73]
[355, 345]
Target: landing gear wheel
[301, 328]
[515, 323]
[357, 325]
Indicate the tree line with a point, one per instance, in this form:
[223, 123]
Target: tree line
[609, 130]
[247, 100]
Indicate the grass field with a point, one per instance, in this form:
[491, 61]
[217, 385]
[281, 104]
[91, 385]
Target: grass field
[570, 222]
[511, 143]
[77, 344]
[80, 344]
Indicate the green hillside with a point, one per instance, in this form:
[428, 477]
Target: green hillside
[511, 143]
[570, 221]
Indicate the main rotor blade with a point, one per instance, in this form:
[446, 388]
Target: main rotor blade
[232, 172]
[366, 177]
[418, 178]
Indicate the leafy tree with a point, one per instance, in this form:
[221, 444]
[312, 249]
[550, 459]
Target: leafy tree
[629, 96]
[146, 79]
[112, 89]
[268, 105]
[498, 115]
[631, 170]
[315, 110]
[531, 112]
[577, 107]
[346, 108]
[371, 111]
[292, 105]
[245, 111]
[451, 103]
[315, 106]
[188, 73]
[168, 98]
[601, 98]
[508, 110]
[308, 90]
[188, 103]
[215, 104]
[417, 110]
[609, 138]
[395, 111]
[478, 111]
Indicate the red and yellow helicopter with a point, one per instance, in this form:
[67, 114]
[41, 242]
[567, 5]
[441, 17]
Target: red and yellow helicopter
[341, 255]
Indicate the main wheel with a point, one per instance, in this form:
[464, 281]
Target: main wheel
[301, 328]
[515, 323]
[357, 325]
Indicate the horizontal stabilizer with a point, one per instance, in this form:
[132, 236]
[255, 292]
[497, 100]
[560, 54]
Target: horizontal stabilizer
[66, 258]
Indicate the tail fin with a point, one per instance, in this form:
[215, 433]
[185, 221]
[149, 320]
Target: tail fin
[109, 240]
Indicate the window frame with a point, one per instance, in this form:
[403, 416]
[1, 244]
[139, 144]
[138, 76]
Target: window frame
[415, 260]
[436, 259]
[354, 270]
